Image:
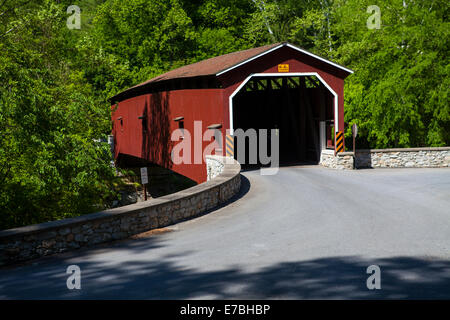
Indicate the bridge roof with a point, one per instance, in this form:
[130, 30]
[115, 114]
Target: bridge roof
[219, 65]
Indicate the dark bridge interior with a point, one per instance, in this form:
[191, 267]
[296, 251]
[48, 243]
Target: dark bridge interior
[293, 105]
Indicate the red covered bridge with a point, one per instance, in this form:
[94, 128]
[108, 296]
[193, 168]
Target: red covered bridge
[274, 86]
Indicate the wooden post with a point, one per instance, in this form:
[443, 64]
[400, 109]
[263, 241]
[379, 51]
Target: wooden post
[354, 133]
[353, 143]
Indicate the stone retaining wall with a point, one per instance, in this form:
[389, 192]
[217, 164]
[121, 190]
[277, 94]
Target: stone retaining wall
[48, 238]
[388, 158]
[403, 158]
[343, 160]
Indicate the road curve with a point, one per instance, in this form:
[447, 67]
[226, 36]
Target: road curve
[306, 232]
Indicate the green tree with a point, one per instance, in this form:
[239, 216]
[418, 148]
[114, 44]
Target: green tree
[399, 92]
[50, 166]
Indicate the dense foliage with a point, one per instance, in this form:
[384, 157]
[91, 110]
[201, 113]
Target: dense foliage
[50, 114]
[55, 81]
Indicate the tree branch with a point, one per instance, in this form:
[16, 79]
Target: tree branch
[10, 30]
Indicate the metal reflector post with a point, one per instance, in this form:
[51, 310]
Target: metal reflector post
[144, 181]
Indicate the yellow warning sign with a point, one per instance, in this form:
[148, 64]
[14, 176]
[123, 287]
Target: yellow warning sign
[339, 141]
[283, 68]
[230, 145]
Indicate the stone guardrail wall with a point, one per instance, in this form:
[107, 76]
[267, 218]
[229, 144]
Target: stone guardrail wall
[403, 158]
[48, 238]
[388, 158]
[343, 160]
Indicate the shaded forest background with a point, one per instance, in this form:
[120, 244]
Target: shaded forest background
[54, 81]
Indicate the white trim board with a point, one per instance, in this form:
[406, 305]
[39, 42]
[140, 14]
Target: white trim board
[292, 47]
[280, 75]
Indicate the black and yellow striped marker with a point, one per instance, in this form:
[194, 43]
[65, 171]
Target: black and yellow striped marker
[339, 141]
[230, 145]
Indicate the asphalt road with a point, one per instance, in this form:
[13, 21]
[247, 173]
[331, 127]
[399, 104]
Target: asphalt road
[307, 232]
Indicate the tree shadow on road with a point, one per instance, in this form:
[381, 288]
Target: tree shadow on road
[140, 277]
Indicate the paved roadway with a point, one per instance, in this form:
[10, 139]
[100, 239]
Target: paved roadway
[307, 232]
